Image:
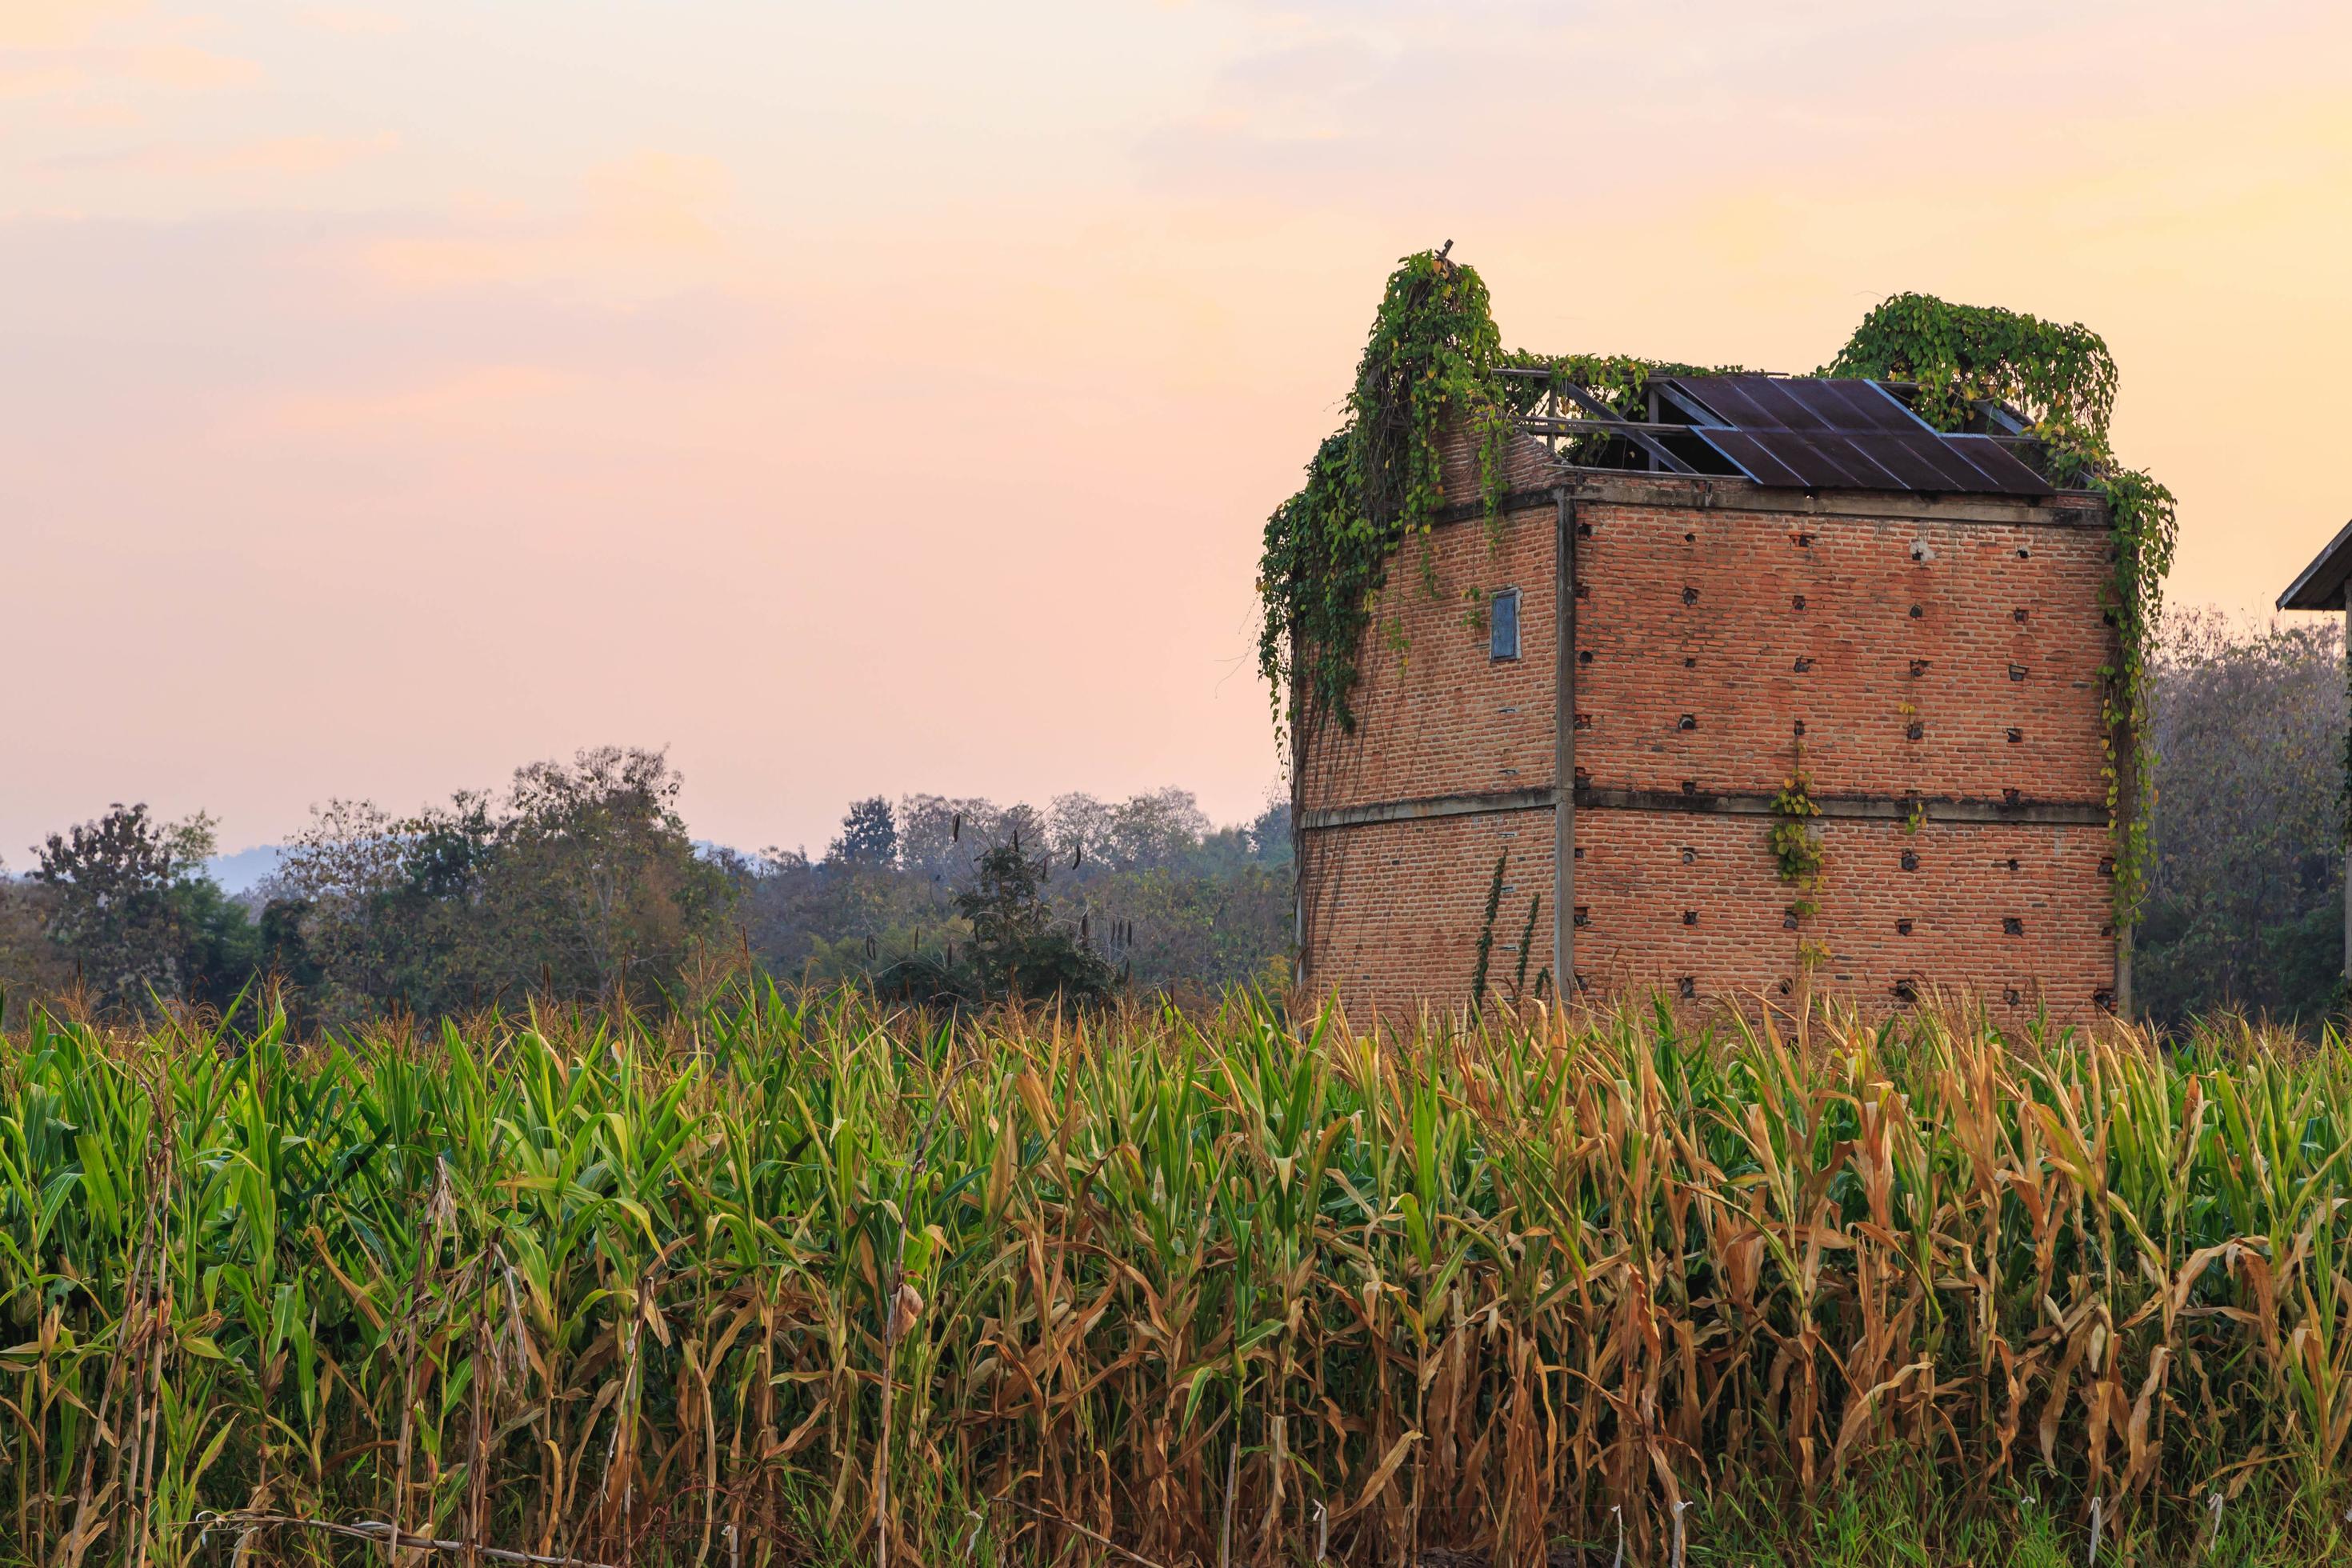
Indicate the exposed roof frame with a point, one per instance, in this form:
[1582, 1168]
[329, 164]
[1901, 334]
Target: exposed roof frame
[1829, 453]
[1597, 418]
[1690, 407]
[1632, 431]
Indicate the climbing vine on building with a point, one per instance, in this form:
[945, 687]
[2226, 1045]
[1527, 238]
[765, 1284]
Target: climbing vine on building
[2063, 379]
[1798, 856]
[1435, 354]
[1378, 480]
[1796, 836]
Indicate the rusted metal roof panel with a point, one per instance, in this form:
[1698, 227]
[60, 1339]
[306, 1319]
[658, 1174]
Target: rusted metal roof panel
[1754, 459]
[2011, 475]
[1819, 434]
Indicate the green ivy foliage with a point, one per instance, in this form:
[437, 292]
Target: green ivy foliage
[1959, 355]
[1794, 838]
[1431, 354]
[1435, 352]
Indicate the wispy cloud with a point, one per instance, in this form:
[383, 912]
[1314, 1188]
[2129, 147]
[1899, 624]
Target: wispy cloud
[178, 67]
[289, 155]
[57, 24]
[648, 223]
[354, 21]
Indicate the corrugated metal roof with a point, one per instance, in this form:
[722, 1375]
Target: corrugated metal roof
[1819, 434]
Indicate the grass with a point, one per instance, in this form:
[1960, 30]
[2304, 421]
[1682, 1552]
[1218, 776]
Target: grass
[794, 1279]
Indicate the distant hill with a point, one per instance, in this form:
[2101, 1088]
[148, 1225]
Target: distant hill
[246, 870]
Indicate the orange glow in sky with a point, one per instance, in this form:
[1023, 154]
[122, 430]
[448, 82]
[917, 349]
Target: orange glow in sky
[880, 398]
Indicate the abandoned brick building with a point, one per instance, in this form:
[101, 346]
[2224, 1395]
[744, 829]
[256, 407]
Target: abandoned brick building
[1763, 565]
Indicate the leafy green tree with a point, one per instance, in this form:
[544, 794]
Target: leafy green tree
[380, 914]
[1019, 947]
[131, 909]
[869, 835]
[581, 884]
[283, 957]
[592, 875]
[1193, 932]
[221, 950]
[2245, 909]
[112, 910]
[33, 968]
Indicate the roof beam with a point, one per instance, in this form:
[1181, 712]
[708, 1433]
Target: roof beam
[1632, 432]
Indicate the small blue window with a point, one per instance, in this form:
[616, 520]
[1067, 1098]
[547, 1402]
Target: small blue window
[1502, 623]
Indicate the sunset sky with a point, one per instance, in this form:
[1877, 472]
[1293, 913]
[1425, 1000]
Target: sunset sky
[879, 398]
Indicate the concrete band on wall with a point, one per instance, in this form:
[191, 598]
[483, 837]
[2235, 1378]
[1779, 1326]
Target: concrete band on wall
[1857, 808]
[2067, 508]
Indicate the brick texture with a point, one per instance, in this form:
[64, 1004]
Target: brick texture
[1669, 897]
[1434, 714]
[1934, 659]
[1397, 907]
[1704, 637]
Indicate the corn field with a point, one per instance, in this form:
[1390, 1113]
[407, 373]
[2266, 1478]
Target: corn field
[794, 1278]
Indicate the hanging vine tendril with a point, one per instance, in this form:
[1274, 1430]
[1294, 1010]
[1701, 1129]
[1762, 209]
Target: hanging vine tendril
[1431, 357]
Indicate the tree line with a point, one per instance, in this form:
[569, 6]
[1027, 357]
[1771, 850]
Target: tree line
[579, 882]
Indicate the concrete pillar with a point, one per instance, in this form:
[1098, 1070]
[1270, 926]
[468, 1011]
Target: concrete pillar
[1563, 754]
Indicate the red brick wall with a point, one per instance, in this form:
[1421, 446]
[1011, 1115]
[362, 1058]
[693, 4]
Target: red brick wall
[1699, 601]
[1643, 872]
[1397, 906]
[1746, 621]
[1434, 714]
